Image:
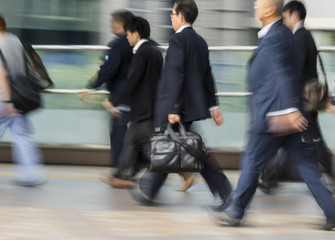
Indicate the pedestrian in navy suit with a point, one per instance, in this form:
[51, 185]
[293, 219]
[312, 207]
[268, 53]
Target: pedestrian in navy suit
[186, 93]
[294, 14]
[274, 83]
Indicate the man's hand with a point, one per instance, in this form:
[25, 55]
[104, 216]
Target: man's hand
[111, 109]
[174, 118]
[217, 116]
[287, 123]
[330, 108]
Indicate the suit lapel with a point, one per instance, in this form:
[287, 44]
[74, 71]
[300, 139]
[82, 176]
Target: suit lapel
[256, 50]
[261, 40]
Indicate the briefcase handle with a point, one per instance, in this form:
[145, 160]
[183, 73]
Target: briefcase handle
[197, 153]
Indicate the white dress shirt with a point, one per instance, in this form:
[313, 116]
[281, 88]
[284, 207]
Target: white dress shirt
[137, 46]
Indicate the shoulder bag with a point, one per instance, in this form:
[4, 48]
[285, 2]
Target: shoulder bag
[25, 90]
[316, 94]
[173, 152]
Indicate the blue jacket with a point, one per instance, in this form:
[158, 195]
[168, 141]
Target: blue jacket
[273, 77]
[114, 70]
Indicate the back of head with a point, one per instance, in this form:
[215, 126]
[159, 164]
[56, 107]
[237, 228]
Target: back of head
[188, 8]
[296, 6]
[3, 25]
[138, 24]
[122, 16]
[279, 6]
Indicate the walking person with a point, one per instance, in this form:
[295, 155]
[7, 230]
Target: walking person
[294, 14]
[186, 93]
[276, 108]
[25, 151]
[140, 86]
[113, 72]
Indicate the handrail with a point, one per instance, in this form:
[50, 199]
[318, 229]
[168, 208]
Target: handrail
[104, 92]
[211, 48]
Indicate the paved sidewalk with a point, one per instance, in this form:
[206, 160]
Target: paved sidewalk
[75, 204]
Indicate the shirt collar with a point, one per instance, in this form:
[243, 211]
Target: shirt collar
[183, 27]
[299, 25]
[266, 29]
[137, 46]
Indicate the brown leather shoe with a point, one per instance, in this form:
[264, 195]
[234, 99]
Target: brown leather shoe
[106, 179]
[188, 181]
[117, 182]
[121, 183]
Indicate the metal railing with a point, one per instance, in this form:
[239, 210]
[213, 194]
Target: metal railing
[100, 48]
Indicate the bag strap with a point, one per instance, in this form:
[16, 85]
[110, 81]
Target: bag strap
[189, 148]
[323, 69]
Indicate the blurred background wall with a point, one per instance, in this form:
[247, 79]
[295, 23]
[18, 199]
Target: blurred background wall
[221, 22]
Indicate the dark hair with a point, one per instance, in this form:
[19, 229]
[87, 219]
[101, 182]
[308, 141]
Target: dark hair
[122, 16]
[138, 24]
[2, 23]
[188, 8]
[296, 6]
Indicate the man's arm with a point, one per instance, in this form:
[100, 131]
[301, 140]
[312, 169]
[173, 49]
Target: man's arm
[109, 68]
[287, 119]
[134, 76]
[175, 74]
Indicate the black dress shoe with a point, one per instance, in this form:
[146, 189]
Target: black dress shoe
[140, 197]
[223, 206]
[330, 224]
[224, 218]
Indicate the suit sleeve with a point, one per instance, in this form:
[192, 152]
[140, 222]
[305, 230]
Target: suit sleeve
[175, 74]
[285, 70]
[109, 68]
[211, 89]
[135, 74]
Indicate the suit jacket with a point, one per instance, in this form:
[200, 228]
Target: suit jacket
[142, 80]
[272, 76]
[307, 56]
[186, 86]
[114, 70]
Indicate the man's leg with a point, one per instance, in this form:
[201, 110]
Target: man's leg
[118, 129]
[217, 181]
[260, 151]
[26, 153]
[307, 165]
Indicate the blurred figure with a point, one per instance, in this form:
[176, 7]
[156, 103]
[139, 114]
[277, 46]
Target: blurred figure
[294, 14]
[141, 87]
[25, 151]
[186, 93]
[113, 72]
[274, 84]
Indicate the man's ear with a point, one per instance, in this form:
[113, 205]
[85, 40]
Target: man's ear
[270, 11]
[182, 18]
[296, 16]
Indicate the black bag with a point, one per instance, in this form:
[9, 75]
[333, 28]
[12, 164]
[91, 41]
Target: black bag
[25, 89]
[173, 152]
[316, 94]
[35, 67]
[25, 93]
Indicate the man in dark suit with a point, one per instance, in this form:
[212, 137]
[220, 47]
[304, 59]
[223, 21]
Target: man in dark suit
[113, 73]
[294, 14]
[140, 86]
[276, 108]
[186, 93]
